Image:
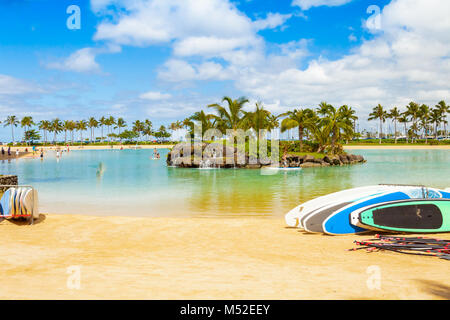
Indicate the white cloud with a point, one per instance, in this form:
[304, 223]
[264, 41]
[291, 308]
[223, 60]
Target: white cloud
[161, 21]
[154, 95]
[307, 4]
[176, 70]
[408, 60]
[82, 60]
[13, 86]
[272, 21]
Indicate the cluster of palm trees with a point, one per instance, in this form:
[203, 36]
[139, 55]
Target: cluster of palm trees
[325, 125]
[423, 121]
[69, 127]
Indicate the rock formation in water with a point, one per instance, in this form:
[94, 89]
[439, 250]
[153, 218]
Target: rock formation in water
[210, 155]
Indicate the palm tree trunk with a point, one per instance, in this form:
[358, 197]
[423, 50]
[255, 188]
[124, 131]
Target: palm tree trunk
[381, 130]
[395, 130]
[300, 137]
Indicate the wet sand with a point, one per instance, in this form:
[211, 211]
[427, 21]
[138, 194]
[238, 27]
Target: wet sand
[195, 258]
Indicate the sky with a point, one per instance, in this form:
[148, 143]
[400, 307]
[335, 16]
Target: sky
[166, 59]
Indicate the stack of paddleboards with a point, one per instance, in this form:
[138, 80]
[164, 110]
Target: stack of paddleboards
[20, 202]
[393, 208]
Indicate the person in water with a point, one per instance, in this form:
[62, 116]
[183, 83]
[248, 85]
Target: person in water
[42, 153]
[3, 151]
[9, 151]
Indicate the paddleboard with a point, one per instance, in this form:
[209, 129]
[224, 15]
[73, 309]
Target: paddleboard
[11, 201]
[17, 201]
[294, 217]
[412, 216]
[5, 204]
[27, 202]
[312, 222]
[339, 223]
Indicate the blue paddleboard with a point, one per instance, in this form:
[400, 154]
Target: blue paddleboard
[5, 204]
[339, 222]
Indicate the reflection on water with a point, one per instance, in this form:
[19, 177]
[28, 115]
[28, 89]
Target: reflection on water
[135, 185]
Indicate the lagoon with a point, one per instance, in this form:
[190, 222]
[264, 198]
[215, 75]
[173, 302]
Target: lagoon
[134, 185]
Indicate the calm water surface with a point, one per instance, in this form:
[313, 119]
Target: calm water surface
[133, 184]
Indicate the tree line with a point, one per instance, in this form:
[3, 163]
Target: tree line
[326, 126]
[111, 129]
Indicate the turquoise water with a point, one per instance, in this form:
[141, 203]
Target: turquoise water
[132, 184]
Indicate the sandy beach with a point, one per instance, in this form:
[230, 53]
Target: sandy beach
[195, 258]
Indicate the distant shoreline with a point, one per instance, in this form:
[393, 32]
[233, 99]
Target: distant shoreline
[398, 147]
[168, 146]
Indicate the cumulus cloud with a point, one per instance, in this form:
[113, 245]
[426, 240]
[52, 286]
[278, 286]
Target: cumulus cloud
[409, 59]
[273, 20]
[155, 95]
[82, 60]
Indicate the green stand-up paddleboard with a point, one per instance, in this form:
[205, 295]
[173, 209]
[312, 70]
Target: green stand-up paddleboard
[412, 216]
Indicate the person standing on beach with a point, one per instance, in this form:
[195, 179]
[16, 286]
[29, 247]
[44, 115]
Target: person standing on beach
[9, 151]
[3, 151]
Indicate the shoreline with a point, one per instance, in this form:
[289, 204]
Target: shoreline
[199, 258]
[168, 146]
[399, 147]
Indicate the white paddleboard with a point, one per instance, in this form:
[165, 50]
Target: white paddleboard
[293, 218]
[11, 201]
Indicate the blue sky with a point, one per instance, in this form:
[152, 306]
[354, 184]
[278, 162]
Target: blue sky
[164, 60]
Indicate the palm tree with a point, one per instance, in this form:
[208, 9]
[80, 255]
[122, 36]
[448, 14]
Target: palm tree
[44, 125]
[229, 118]
[138, 127]
[444, 109]
[349, 114]
[55, 127]
[71, 127]
[206, 121]
[404, 119]
[395, 114]
[92, 124]
[257, 120]
[110, 122]
[120, 124]
[378, 113]
[81, 126]
[13, 122]
[424, 116]
[297, 119]
[26, 123]
[148, 128]
[103, 122]
[66, 127]
[436, 118]
[413, 110]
